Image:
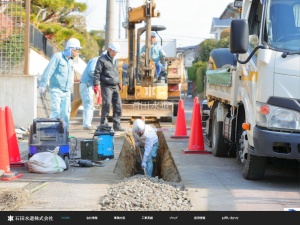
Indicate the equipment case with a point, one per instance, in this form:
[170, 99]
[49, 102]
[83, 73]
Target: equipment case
[46, 134]
[105, 137]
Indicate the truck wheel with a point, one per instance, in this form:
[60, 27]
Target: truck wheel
[219, 147]
[254, 167]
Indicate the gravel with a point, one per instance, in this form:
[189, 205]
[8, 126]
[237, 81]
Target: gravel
[141, 193]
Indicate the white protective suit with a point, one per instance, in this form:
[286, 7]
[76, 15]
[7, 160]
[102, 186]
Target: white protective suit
[149, 141]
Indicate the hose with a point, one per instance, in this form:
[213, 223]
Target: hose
[87, 163]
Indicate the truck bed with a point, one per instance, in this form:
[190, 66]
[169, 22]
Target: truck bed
[221, 85]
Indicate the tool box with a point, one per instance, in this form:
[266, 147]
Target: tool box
[46, 134]
[89, 149]
[105, 137]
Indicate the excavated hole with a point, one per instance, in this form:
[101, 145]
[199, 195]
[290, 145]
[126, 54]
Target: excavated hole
[163, 168]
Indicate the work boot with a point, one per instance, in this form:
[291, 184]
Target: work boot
[119, 129]
[157, 80]
[90, 128]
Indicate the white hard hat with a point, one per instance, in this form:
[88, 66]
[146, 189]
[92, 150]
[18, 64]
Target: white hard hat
[73, 43]
[114, 46]
[138, 125]
[153, 34]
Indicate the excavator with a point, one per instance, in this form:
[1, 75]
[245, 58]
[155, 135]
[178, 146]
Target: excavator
[140, 95]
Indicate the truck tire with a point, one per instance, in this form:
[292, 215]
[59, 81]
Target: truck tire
[254, 167]
[219, 147]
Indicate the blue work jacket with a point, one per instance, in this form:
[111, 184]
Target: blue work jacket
[157, 51]
[88, 73]
[59, 73]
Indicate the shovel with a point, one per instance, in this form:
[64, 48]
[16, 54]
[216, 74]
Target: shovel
[141, 159]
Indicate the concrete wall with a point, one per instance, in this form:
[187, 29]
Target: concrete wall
[20, 92]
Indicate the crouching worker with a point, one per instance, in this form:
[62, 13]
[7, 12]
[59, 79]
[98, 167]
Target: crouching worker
[146, 139]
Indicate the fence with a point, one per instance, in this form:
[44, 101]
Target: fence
[40, 43]
[11, 37]
[12, 34]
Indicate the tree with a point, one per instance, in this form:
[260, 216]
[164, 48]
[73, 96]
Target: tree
[225, 33]
[198, 71]
[205, 48]
[59, 20]
[53, 10]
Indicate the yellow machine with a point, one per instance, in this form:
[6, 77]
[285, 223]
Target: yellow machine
[141, 96]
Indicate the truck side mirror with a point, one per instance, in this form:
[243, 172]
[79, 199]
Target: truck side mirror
[239, 36]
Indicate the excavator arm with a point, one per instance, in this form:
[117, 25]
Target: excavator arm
[135, 16]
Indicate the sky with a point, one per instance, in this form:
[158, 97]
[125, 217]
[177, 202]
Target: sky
[187, 21]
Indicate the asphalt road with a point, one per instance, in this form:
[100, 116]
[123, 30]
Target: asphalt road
[214, 184]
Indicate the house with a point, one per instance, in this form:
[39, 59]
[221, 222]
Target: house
[223, 22]
[218, 25]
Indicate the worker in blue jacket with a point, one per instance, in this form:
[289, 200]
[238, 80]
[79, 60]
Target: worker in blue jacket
[59, 75]
[157, 54]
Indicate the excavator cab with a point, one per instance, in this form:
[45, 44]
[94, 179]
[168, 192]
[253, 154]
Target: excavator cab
[141, 70]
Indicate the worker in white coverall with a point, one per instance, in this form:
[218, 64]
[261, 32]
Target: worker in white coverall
[146, 139]
[86, 91]
[59, 75]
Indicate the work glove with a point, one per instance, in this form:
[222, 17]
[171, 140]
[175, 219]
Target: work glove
[144, 165]
[96, 89]
[42, 90]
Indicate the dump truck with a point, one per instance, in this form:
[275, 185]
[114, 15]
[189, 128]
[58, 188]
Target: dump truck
[140, 95]
[252, 88]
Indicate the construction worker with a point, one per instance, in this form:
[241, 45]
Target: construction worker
[146, 139]
[86, 91]
[59, 75]
[106, 74]
[157, 54]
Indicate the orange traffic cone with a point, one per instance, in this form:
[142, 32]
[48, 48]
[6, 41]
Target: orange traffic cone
[12, 141]
[196, 141]
[4, 158]
[196, 100]
[180, 131]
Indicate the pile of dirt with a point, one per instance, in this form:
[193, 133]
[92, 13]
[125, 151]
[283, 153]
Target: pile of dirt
[12, 199]
[141, 193]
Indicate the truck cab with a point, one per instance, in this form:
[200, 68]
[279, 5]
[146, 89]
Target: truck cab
[259, 112]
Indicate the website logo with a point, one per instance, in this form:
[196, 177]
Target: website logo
[10, 218]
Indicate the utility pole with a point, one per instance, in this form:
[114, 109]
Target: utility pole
[120, 2]
[126, 13]
[109, 26]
